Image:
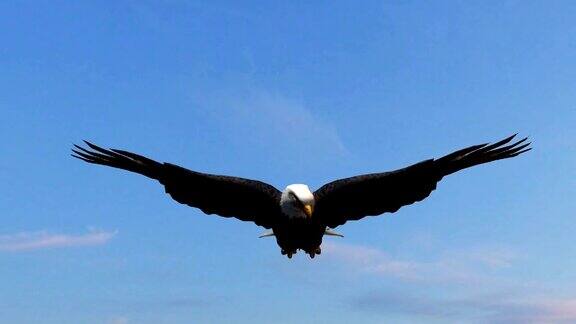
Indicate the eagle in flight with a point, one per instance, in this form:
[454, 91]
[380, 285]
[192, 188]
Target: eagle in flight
[296, 216]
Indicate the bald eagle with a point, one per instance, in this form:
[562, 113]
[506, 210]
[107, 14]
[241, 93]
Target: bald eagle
[298, 217]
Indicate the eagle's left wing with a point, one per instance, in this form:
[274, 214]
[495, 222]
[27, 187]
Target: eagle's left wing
[245, 199]
[373, 194]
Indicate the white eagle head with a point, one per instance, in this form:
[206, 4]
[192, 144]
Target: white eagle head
[297, 201]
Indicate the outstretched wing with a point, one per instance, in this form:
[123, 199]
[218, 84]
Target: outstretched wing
[245, 199]
[373, 194]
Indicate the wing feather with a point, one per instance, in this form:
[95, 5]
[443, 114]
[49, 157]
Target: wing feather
[245, 199]
[373, 194]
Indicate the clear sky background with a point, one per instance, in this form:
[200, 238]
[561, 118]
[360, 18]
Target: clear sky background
[285, 93]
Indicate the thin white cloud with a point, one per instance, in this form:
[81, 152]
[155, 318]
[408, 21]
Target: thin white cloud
[371, 260]
[293, 122]
[557, 310]
[31, 241]
[450, 272]
[477, 309]
[458, 267]
[492, 257]
[264, 119]
[119, 320]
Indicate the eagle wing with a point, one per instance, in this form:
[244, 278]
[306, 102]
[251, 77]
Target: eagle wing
[247, 200]
[373, 194]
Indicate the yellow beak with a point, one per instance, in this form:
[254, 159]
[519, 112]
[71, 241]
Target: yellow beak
[308, 210]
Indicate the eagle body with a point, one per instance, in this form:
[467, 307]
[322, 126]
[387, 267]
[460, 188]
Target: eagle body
[297, 228]
[298, 217]
[303, 234]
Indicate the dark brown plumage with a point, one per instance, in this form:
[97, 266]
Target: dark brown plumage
[335, 203]
[374, 194]
[247, 200]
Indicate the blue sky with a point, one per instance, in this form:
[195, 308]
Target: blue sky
[286, 93]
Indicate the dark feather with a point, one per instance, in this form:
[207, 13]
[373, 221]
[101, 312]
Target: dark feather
[374, 194]
[247, 200]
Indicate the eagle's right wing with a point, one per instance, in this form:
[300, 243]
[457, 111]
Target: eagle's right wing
[373, 194]
[245, 199]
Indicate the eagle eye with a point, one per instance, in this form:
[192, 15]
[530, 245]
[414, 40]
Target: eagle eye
[297, 199]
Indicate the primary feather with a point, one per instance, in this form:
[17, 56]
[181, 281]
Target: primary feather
[298, 218]
[373, 194]
[245, 199]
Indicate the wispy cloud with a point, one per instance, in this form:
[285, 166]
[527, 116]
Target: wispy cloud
[371, 260]
[132, 308]
[31, 241]
[458, 267]
[119, 320]
[483, 309]
[492, 257]
[279, 122]
[448, 278]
